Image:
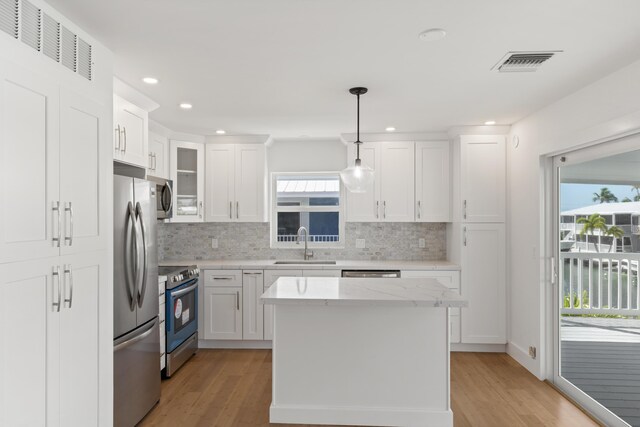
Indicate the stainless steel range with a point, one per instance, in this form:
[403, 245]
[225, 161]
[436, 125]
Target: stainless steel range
[181, 317]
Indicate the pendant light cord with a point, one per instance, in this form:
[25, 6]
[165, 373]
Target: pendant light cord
[358, 130]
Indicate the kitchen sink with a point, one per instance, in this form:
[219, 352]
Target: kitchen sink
[307, 262]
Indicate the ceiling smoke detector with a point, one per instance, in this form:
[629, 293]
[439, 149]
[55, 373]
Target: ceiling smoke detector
[523, 61]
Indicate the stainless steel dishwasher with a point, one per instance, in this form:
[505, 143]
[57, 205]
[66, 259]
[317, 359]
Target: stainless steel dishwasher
[372, 274]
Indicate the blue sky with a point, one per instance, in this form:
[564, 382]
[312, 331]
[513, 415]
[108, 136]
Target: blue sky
[573, 196]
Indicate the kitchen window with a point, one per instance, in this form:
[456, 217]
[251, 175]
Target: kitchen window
[312, 200]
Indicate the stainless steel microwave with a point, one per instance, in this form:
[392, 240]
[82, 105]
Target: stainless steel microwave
[164, 197]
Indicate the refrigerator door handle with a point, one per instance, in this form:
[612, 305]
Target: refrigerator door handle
[145, 259]
[145, 333]
[131, 276]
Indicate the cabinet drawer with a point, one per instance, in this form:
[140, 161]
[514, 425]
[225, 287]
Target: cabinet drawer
[224, 278]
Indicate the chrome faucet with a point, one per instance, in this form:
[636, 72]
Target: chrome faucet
[307, 253]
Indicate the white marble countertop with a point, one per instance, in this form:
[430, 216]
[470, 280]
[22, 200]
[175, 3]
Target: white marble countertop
[375, 292]
[339, 265]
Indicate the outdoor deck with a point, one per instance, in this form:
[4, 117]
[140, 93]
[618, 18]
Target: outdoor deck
[602, 357]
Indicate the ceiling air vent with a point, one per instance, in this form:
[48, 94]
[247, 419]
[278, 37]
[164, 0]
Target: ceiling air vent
[68, 49]
[523, 61]
[9, 17]
[51, 37]
[84, 59]
[30, 25]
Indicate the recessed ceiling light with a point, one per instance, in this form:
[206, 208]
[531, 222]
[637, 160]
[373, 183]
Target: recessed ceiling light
[490, 122]
[433, 34]
[390, 129]
[186, 106]
[150, 80]
[221, 131]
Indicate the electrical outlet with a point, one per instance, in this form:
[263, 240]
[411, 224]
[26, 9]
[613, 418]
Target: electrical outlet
[360, 243]
[214, 243]
[532, 352]
[421, 243]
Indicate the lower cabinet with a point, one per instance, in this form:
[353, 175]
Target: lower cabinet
[60, 343]
[252, 309]
[223, 313]
[450, 279]
[270, 276]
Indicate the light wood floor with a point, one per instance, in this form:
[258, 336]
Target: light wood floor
[233, 388]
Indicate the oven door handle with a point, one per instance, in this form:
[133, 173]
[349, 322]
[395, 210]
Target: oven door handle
[181, 292]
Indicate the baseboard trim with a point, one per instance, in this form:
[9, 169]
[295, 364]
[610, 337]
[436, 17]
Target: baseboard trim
[231, 344]
[479, 348]
[521, 356]
[298, 414]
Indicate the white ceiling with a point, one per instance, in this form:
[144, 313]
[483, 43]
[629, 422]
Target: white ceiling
[284, 67]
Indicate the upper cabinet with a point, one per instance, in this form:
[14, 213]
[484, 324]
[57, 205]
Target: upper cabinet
[50, 136]
[236, 183]
[158, 156]
[391, 197]
[187, 173]
[131, 124]
[479, 170]
[433, 181]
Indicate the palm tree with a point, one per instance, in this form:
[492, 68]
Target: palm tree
[605, 196]
[590, 225]
[636, 187]
[615, 232]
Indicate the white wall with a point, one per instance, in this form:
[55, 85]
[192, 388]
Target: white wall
[603, 110]
[309, 155]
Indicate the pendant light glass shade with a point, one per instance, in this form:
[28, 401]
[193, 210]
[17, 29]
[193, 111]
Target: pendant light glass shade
[358, 178]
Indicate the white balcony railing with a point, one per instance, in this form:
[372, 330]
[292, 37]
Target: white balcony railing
[600, 283]
[312, 238]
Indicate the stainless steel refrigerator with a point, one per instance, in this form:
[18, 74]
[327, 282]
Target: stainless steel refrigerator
[136, 355]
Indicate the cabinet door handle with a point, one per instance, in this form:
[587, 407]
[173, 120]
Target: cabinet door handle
[237, 210]
[68, 271]
[230, 210]
[56, 275]
[200, 209]
[464, 209]
[419, 209]
[124, 131]
[384, 209]
[56, 209]
[251, 273]
[377, 209]
[238, 300]
[464, 236]
[69, 238]
[155, 162]
[118, 138]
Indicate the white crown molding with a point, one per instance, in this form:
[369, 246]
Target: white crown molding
[127, 92]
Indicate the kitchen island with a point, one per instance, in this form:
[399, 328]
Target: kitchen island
[361, 351]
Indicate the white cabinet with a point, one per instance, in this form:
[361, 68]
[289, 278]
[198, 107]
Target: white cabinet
[187, 173]
[131, 127]
[433, 181]
[270, 276]
[158, 156]
[223, 313]
[450, 279]
[236, 182]
[54, 151]
[252, 309]
[479, 170]
[481, 255]
[29, 165]
[58, 381]
[391, 196]
[84, 174]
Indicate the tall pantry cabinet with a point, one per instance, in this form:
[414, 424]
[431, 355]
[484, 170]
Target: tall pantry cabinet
[55, 237]
[476, 237]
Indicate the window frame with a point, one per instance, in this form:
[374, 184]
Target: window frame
[273, 220]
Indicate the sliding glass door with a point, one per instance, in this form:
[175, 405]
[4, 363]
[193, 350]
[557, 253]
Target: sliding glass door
[597, 258]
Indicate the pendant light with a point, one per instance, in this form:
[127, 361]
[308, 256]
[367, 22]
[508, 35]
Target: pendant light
[357, 178]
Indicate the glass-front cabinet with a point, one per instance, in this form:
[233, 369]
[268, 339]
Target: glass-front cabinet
[187, 172]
